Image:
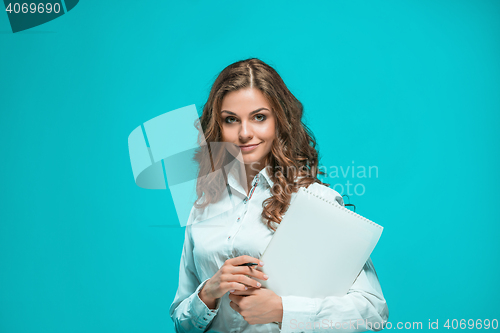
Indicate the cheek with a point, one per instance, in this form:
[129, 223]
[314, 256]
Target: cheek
[268, 132]
[227, 134]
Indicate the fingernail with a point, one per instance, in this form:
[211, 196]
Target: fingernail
[261, 263]
[231, 291]
[258, 284]
[266, 277]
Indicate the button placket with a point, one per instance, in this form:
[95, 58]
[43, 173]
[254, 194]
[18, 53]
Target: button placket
[236, 227]
[254, 185]
[245, 201]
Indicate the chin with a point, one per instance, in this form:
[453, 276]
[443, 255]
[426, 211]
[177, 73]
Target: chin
[248, 162]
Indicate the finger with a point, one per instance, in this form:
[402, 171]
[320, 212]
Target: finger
[249, 271]
[232, 286]
[235, 298]
[243, 260]
[248, 292]
[235, 306]
[242, 279]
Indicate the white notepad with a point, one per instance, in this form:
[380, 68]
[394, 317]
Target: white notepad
[319, 248]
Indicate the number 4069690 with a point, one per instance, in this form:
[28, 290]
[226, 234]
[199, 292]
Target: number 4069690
[471, 324]
[32, 8]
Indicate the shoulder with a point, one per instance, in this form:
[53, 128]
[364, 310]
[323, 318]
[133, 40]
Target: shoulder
[196, 215]
[326, 192]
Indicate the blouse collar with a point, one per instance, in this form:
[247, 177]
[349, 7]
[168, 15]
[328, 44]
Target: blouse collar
[236, 175]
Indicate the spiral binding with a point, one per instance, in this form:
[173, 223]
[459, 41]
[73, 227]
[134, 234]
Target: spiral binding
[341, 207]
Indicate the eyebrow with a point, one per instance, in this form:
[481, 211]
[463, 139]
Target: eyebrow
[251, 113]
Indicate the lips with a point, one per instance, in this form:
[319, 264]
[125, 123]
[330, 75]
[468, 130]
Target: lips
[249, 147]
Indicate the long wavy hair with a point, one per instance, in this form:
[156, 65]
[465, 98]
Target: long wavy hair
[293, 159]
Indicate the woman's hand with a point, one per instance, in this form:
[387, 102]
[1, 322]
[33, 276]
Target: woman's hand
[231, 277]
[257, 305]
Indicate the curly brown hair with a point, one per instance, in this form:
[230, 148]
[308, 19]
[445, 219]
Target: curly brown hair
[293, 159]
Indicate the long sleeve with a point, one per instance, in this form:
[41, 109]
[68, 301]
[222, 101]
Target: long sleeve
[188, 311]
[362, 308]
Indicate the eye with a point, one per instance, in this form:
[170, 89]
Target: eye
[228, 120]
[260, 117]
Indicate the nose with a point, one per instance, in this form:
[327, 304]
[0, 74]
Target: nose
[246, 132]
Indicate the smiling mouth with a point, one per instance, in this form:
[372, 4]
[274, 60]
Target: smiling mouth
[249, 147]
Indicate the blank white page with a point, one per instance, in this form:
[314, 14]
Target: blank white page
[318, 249]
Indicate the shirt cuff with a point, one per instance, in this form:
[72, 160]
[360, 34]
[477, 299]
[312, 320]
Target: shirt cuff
[202, 314]
[298, 313]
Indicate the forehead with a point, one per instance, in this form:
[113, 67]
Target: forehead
[245, 100]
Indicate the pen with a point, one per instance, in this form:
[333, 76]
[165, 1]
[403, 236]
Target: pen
[248, 264]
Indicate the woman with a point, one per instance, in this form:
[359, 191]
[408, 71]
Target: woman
[239, 207]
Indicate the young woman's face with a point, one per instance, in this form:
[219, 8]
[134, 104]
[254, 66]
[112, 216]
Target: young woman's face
[247, 121]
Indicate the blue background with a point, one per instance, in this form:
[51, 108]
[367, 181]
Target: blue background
[410, 87]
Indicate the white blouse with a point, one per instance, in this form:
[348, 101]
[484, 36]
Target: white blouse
[216, 233]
